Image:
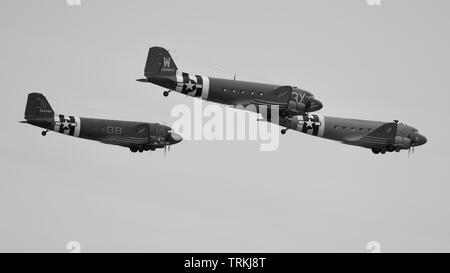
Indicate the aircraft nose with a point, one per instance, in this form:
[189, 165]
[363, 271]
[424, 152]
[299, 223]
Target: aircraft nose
[421, 140]
[314, 105]
[175, 138]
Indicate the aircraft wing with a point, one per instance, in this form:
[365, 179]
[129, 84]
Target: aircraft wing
[124, 141]
[380, 137]
[279, 96]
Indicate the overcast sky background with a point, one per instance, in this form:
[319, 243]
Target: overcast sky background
[381, 63]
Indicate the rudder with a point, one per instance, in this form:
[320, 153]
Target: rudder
[38, 107]
[159, 63]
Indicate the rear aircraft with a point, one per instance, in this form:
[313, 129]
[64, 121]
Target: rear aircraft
[160, 69]
[137, 136]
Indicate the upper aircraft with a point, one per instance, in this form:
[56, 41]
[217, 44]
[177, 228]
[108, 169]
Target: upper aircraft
[161, 70]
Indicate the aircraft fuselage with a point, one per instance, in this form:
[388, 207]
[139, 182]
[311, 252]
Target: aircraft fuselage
[379, 136]
[137, 136]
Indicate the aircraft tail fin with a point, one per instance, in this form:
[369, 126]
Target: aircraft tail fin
[38, 107]
[159, 63]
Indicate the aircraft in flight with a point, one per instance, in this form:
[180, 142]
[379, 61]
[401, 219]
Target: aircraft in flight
[160, 69]
[137, 136]
[380, 137]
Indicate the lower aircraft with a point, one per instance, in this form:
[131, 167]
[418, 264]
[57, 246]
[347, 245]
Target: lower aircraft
[137, 136]
[380, 137]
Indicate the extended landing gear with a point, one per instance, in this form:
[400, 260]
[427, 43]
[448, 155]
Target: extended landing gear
[283, 131]
[377, 151]
[141, 149]
[166, 93]
[44, 133]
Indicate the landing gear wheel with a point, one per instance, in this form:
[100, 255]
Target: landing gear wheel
[166, 93]
[141, 150]
[375, 151]
[133, 149]
[44, 133]
[283, 131]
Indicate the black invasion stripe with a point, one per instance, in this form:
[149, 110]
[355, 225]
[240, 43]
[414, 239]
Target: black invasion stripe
[269, 113]
[185, 80]
[316, 125]
[72, 127]
[199, 86]
[61, 120]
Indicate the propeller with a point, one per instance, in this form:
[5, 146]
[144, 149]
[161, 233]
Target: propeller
[166, 148]
[412, 138]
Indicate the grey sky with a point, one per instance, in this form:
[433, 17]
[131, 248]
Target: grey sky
[382, 63]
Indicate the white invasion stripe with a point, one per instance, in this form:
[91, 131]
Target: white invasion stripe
[322, 125]
[205, 90]
[56, 128]
[179, 86]
[76, 133]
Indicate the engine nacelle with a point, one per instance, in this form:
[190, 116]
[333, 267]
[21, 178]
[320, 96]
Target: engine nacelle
[296, 108]
[402, 142]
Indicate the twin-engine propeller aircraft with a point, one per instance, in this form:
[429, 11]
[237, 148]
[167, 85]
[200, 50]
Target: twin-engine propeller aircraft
[137, 136]
[161, 70]
[381, 137]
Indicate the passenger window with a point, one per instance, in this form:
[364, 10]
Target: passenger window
[261, 93]
[118, 130]
[234, 91]
[251, 93]
[242, 91]
[109, 129]
[224, 90]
